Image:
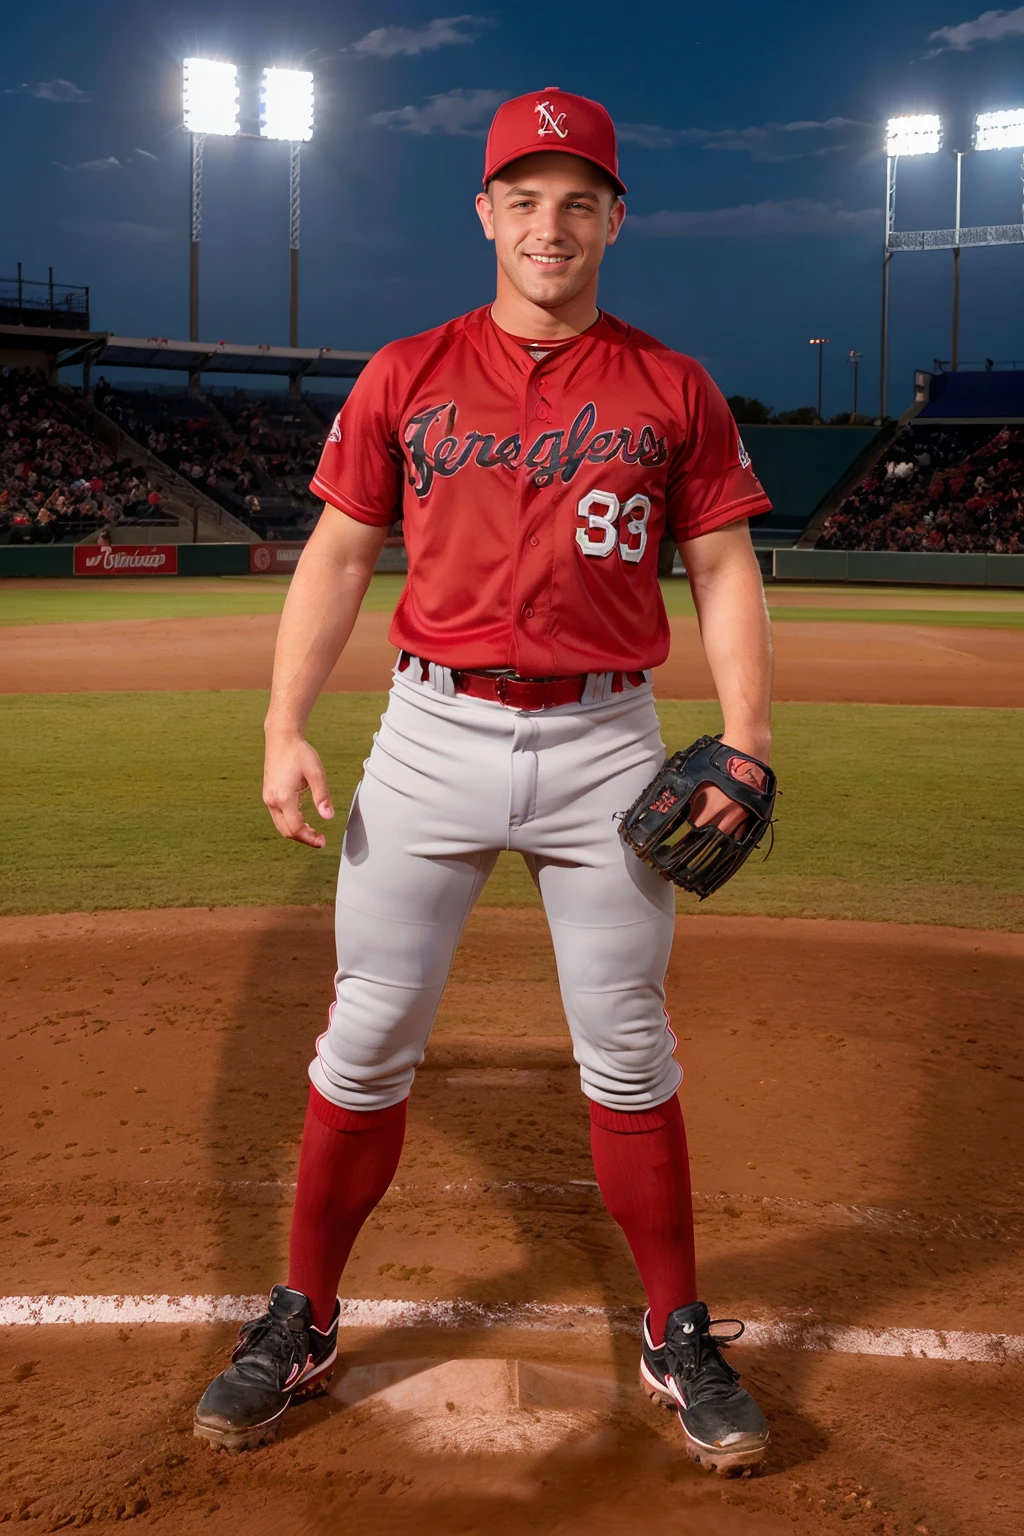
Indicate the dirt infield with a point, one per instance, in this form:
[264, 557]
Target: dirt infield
[829, 662]
[853, 1096]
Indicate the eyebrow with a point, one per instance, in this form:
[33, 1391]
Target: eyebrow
[535, 192]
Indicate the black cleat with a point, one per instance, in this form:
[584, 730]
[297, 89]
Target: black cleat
[280, 1358]
[725, 1429]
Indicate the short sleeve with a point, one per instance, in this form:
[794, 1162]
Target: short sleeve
[711, 481]
[360, 468]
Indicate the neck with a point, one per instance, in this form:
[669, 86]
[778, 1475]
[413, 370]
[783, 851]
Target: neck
[513, 312]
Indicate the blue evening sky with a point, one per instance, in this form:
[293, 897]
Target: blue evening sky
[750, 142]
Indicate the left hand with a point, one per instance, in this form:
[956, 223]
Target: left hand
[712, 806]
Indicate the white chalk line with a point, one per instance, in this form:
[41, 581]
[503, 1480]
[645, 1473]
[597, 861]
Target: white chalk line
[794, 1333]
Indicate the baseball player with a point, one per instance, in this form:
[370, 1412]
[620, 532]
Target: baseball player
[538, 449]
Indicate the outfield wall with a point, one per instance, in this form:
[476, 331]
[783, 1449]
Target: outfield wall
[903, 569]
[826, 565]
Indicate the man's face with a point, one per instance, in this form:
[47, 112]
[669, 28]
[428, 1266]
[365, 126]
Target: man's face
[550, 217]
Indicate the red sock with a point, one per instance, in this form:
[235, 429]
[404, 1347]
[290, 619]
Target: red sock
[643, 1172]
[346, 1164]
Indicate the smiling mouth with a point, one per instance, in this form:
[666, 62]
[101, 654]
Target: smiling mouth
[547, 261]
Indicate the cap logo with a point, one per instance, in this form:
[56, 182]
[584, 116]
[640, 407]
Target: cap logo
[548, 122]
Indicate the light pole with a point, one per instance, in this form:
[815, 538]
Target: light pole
[954, 353]
[923, 136]
[210, 103]
[286, 112]
[821, 342]
[854, 360]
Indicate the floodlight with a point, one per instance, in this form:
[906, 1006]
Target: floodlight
[210, 97]
[999, 130]
[286, 105]
[913, 136]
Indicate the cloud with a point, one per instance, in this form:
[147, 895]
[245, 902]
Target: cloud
[53, 90]
[989, 27]
[410, 42]
[764, 141]
[762, 221]
[653, 136]
[108, 163]
[119, 231]
[461, 113]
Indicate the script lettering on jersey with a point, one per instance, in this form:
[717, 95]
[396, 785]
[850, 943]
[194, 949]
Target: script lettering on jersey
[551, 455]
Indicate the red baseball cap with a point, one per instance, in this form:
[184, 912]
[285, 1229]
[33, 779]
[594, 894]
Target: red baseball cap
[552, 120]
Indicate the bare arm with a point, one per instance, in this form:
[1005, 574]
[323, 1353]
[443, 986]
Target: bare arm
[729, 597]
[323, 600]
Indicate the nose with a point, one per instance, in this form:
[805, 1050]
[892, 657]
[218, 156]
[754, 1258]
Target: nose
[548, 226]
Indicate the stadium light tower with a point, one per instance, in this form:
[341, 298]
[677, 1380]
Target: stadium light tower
[286, 112]
[922, 135]
[854, 360]
[999, 130]
[210, 105]
[821, 342]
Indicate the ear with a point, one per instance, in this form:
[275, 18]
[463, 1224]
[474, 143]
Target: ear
[615, 219]
[485, 213]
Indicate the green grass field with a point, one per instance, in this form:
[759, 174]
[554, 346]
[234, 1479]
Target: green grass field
[153, 800]
[204, 597]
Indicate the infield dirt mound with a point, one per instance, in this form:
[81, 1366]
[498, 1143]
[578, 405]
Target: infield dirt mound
[854, 1099]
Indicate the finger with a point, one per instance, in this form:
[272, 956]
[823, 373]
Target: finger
[700, 810]
[316, 778]
[289, 821]
[732, 820]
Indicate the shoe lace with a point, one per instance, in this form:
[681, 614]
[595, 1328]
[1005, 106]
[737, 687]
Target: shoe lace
[273, 1340]
[701, 1362]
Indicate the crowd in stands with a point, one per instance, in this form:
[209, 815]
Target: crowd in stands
[282, 437]
[56, 480]
[183, 431]
[956, 488]
[253, 455]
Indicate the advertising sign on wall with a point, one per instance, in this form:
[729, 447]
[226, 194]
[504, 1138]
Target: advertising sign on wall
[274, 559]
[126, 560]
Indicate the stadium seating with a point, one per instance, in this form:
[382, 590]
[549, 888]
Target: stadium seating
[958, 488]
[249, 453]
[57, 482]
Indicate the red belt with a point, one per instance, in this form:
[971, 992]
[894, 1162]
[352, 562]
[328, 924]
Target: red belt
[524, 692]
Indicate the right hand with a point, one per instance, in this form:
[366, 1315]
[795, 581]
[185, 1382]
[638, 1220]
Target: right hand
[290, 766]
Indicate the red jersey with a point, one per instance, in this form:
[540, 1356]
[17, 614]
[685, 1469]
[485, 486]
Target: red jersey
[534, 492]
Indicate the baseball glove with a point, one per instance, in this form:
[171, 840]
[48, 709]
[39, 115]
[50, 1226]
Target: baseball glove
[658, 828]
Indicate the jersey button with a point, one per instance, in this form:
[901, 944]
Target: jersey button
[527, 613]
[534, 540]
[542, 411]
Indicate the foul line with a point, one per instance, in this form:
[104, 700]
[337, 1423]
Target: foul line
[897, 1343]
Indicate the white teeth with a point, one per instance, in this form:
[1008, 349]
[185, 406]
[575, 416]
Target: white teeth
[549, 260]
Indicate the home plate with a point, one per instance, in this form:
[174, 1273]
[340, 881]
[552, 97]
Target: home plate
[482, 1406]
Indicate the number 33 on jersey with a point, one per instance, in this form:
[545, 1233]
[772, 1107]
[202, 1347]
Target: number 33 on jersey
[535, 482]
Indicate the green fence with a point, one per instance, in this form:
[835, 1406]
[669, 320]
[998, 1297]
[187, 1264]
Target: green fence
[837, 565]
[798, 466]
[36, 559]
